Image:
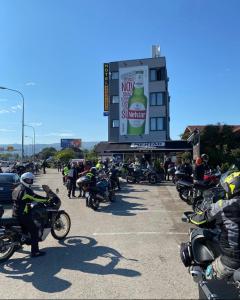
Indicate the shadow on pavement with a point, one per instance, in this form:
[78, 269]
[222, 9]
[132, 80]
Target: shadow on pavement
[76, 253]
[121, 207]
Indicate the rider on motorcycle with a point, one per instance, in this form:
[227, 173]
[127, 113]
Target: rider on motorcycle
[22, 196]
[225, 214]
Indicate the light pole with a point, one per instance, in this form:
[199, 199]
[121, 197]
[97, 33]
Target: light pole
[16, 91]
[34, 141]
[27, 136]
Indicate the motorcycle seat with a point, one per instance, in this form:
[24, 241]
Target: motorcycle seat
[8, 221]
[201, 185]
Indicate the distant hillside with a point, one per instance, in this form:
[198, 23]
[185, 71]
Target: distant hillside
[39, 147]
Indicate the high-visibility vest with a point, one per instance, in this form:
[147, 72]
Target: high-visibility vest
[65, 171]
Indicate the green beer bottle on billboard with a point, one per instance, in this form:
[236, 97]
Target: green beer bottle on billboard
[137, 107]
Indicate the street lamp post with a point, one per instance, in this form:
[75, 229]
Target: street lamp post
[34, 140]
[16, 91]
[27, 136]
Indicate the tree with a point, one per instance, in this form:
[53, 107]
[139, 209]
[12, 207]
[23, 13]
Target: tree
[65, 155]
[47, 152]
[218, 141]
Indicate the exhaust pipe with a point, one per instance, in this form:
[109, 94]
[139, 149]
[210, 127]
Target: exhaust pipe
[197, 273]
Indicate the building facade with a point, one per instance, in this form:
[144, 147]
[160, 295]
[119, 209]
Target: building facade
[137, 104]
[152, 113]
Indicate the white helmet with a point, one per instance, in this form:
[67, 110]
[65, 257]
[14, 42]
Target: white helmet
[27, 179]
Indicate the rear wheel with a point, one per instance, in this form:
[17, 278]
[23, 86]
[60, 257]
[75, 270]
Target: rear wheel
[93, 202]
[7, 247]
[61, 226]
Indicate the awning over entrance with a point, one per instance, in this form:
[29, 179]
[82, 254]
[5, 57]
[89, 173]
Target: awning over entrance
[166, 146]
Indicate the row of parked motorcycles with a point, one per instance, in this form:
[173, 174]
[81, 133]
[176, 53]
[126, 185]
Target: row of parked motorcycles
[139, 174]
[203, 245]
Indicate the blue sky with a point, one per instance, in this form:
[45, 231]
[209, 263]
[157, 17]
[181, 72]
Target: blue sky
[53, 52]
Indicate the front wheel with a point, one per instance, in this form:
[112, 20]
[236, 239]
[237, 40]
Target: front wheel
[7, 247]
[93, 202]
[152, 179]
[183, 194]
[61, 226]
[131, 179]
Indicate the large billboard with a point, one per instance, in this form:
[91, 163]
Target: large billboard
[133, 101]
[71, 143]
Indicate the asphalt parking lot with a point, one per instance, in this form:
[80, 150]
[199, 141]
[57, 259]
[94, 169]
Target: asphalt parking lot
[126, 250]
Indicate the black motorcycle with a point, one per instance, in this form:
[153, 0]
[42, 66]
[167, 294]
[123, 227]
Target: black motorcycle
[138, 175]
[197, 254]
[49, 218]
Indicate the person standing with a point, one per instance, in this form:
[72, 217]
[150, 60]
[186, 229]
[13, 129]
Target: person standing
[166, 166]
[44, 165]
[71, 181]
[59, 166]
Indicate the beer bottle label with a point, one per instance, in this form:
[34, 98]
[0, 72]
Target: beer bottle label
[136, 114]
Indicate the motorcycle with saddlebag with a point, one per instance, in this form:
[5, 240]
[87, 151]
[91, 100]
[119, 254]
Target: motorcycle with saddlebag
[47, 216]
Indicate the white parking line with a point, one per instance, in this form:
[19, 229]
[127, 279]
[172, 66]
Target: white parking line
[145, 211]
[140, 233]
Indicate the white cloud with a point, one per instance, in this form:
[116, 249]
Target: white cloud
[61, 134]
[30, 83]
[6, 130]
[4, 111]
[36, 124]
[16, 107]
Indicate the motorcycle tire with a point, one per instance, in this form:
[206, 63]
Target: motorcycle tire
[131, 179]
[5, 255]
[58, 225]
[152, 179]
[183, 194]
[93, 202]
[111, 196]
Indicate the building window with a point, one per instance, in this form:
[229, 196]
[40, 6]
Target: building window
[115, 123]
[115, 99]
[114, 75]
[157, 74]
[156, 99]
[156, 124]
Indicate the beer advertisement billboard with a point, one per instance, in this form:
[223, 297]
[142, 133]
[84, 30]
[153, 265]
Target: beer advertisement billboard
[133, 101]
[71, 143]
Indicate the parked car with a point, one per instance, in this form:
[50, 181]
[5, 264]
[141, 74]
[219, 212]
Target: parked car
[8, 181]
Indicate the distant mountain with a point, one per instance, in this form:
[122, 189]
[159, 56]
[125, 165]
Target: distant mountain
[39, 147]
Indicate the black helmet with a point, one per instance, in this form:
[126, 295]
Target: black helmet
[231, 184]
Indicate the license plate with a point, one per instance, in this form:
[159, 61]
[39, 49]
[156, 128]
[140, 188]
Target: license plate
[1, 188]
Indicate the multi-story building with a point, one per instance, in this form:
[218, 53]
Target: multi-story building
[136, 101]
[157, 105]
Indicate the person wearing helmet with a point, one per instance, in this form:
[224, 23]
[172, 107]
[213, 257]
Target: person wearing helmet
[199, 170]
[205, 160]
[22, 196]
[226, 214]
[99, 165]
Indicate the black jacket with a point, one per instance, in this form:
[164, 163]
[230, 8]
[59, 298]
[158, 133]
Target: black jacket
[22, 196]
